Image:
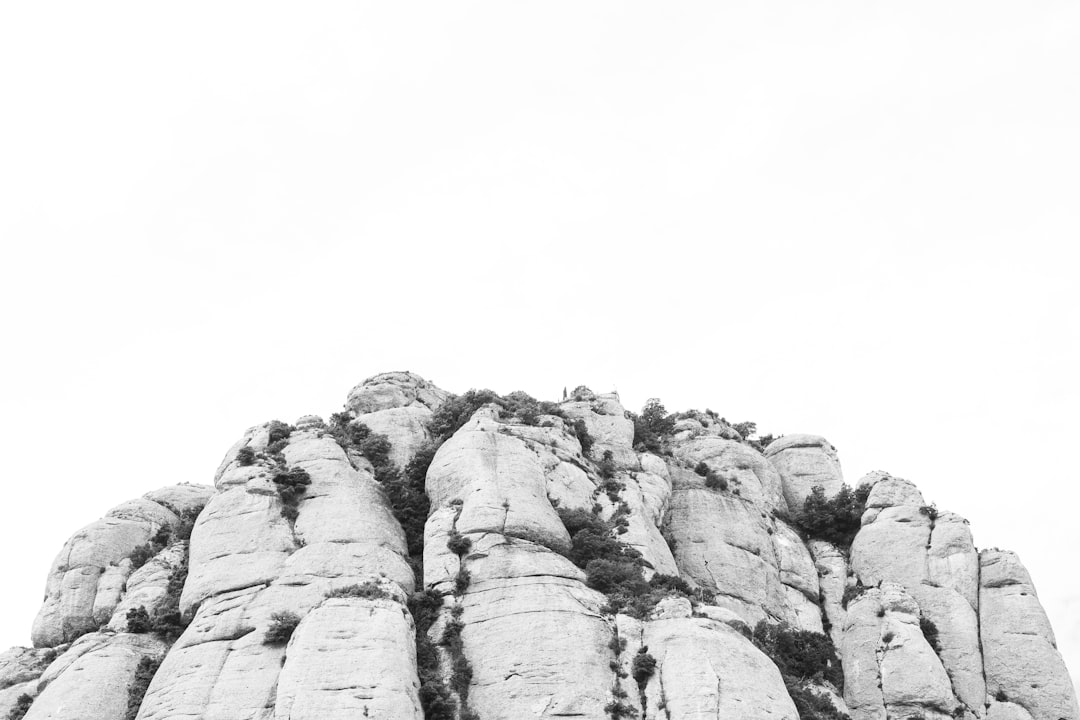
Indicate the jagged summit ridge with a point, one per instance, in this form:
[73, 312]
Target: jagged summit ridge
[428, 555]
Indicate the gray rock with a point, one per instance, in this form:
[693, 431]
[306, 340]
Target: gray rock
[1022, 663]
[95, 685]
[804, 462]
[394, 390]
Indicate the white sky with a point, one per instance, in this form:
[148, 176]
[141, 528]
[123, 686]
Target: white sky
[852, 219]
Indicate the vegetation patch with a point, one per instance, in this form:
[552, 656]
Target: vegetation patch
[930, 632]
[22, 706]
[458, 544]
[138, 620]
[851, 592]
[291, 484]
[144, 673]
[652, 427]
[404, 489]
[801, 655]
[245, 456]
[615, 569]
[811, 705]
[368, 590]
[642, 670]
[835, 519]
[282, 625]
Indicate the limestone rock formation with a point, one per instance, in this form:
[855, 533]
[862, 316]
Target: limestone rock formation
[423, 555]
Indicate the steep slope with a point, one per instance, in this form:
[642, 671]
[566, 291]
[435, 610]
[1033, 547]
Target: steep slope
[477, 557]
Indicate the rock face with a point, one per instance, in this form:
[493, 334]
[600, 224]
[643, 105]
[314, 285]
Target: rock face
[423, 557]
[804, 462]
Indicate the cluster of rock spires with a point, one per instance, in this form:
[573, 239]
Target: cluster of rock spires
[924, 625]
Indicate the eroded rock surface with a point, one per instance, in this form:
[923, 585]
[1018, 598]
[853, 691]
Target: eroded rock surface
[805, 462]
[297, 606]
[1023, 665]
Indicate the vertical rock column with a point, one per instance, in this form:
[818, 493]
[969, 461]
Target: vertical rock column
[1025, 675]
[930, 555]
[532, 631]
[250, 561]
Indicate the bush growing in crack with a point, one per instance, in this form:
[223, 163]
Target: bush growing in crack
[851, 592]
[291, 484]
[138, 620]
[368, 590]
[930, 632]
[615, 569]
[458, 544]
[21, 707]
[144, 673]
[800, 654]
[245, 456]
[715, 481]
[581, 431]
[652, 427]
[143, 553]
[835, 519]
[282, 625]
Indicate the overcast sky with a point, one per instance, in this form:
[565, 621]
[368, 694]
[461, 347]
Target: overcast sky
[851, 219]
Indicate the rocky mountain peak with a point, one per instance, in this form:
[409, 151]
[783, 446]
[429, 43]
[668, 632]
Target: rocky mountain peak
[426, 555]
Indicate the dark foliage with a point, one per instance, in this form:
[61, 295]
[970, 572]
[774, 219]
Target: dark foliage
[591, 539]
[614, 568]
[409, 503]
[800, 654]
[368, 590]
[576, 521]
[702, 468]
[764, 441]
[715, 481]
[138, 620]
[834, 519]
[340, 419]
[643, 667]
[851, 592]
[652, 426]
[416, 469]
[291, 484]
[142, 554]
[375, 447]
[606, 466]
[291, 478]
[810, 705]
[461, 580]
[145, 552]
[187, 524]
[144, 673]
[745, 429]
[22, 706]
[611, 576]
[424, 607]
[279, 431]
[672, 583]
[245, 456]
[458, 544]
[456, 411]
[930, 632]
[581, 430]
[282, 625]
[620, 709]
[461, 674]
